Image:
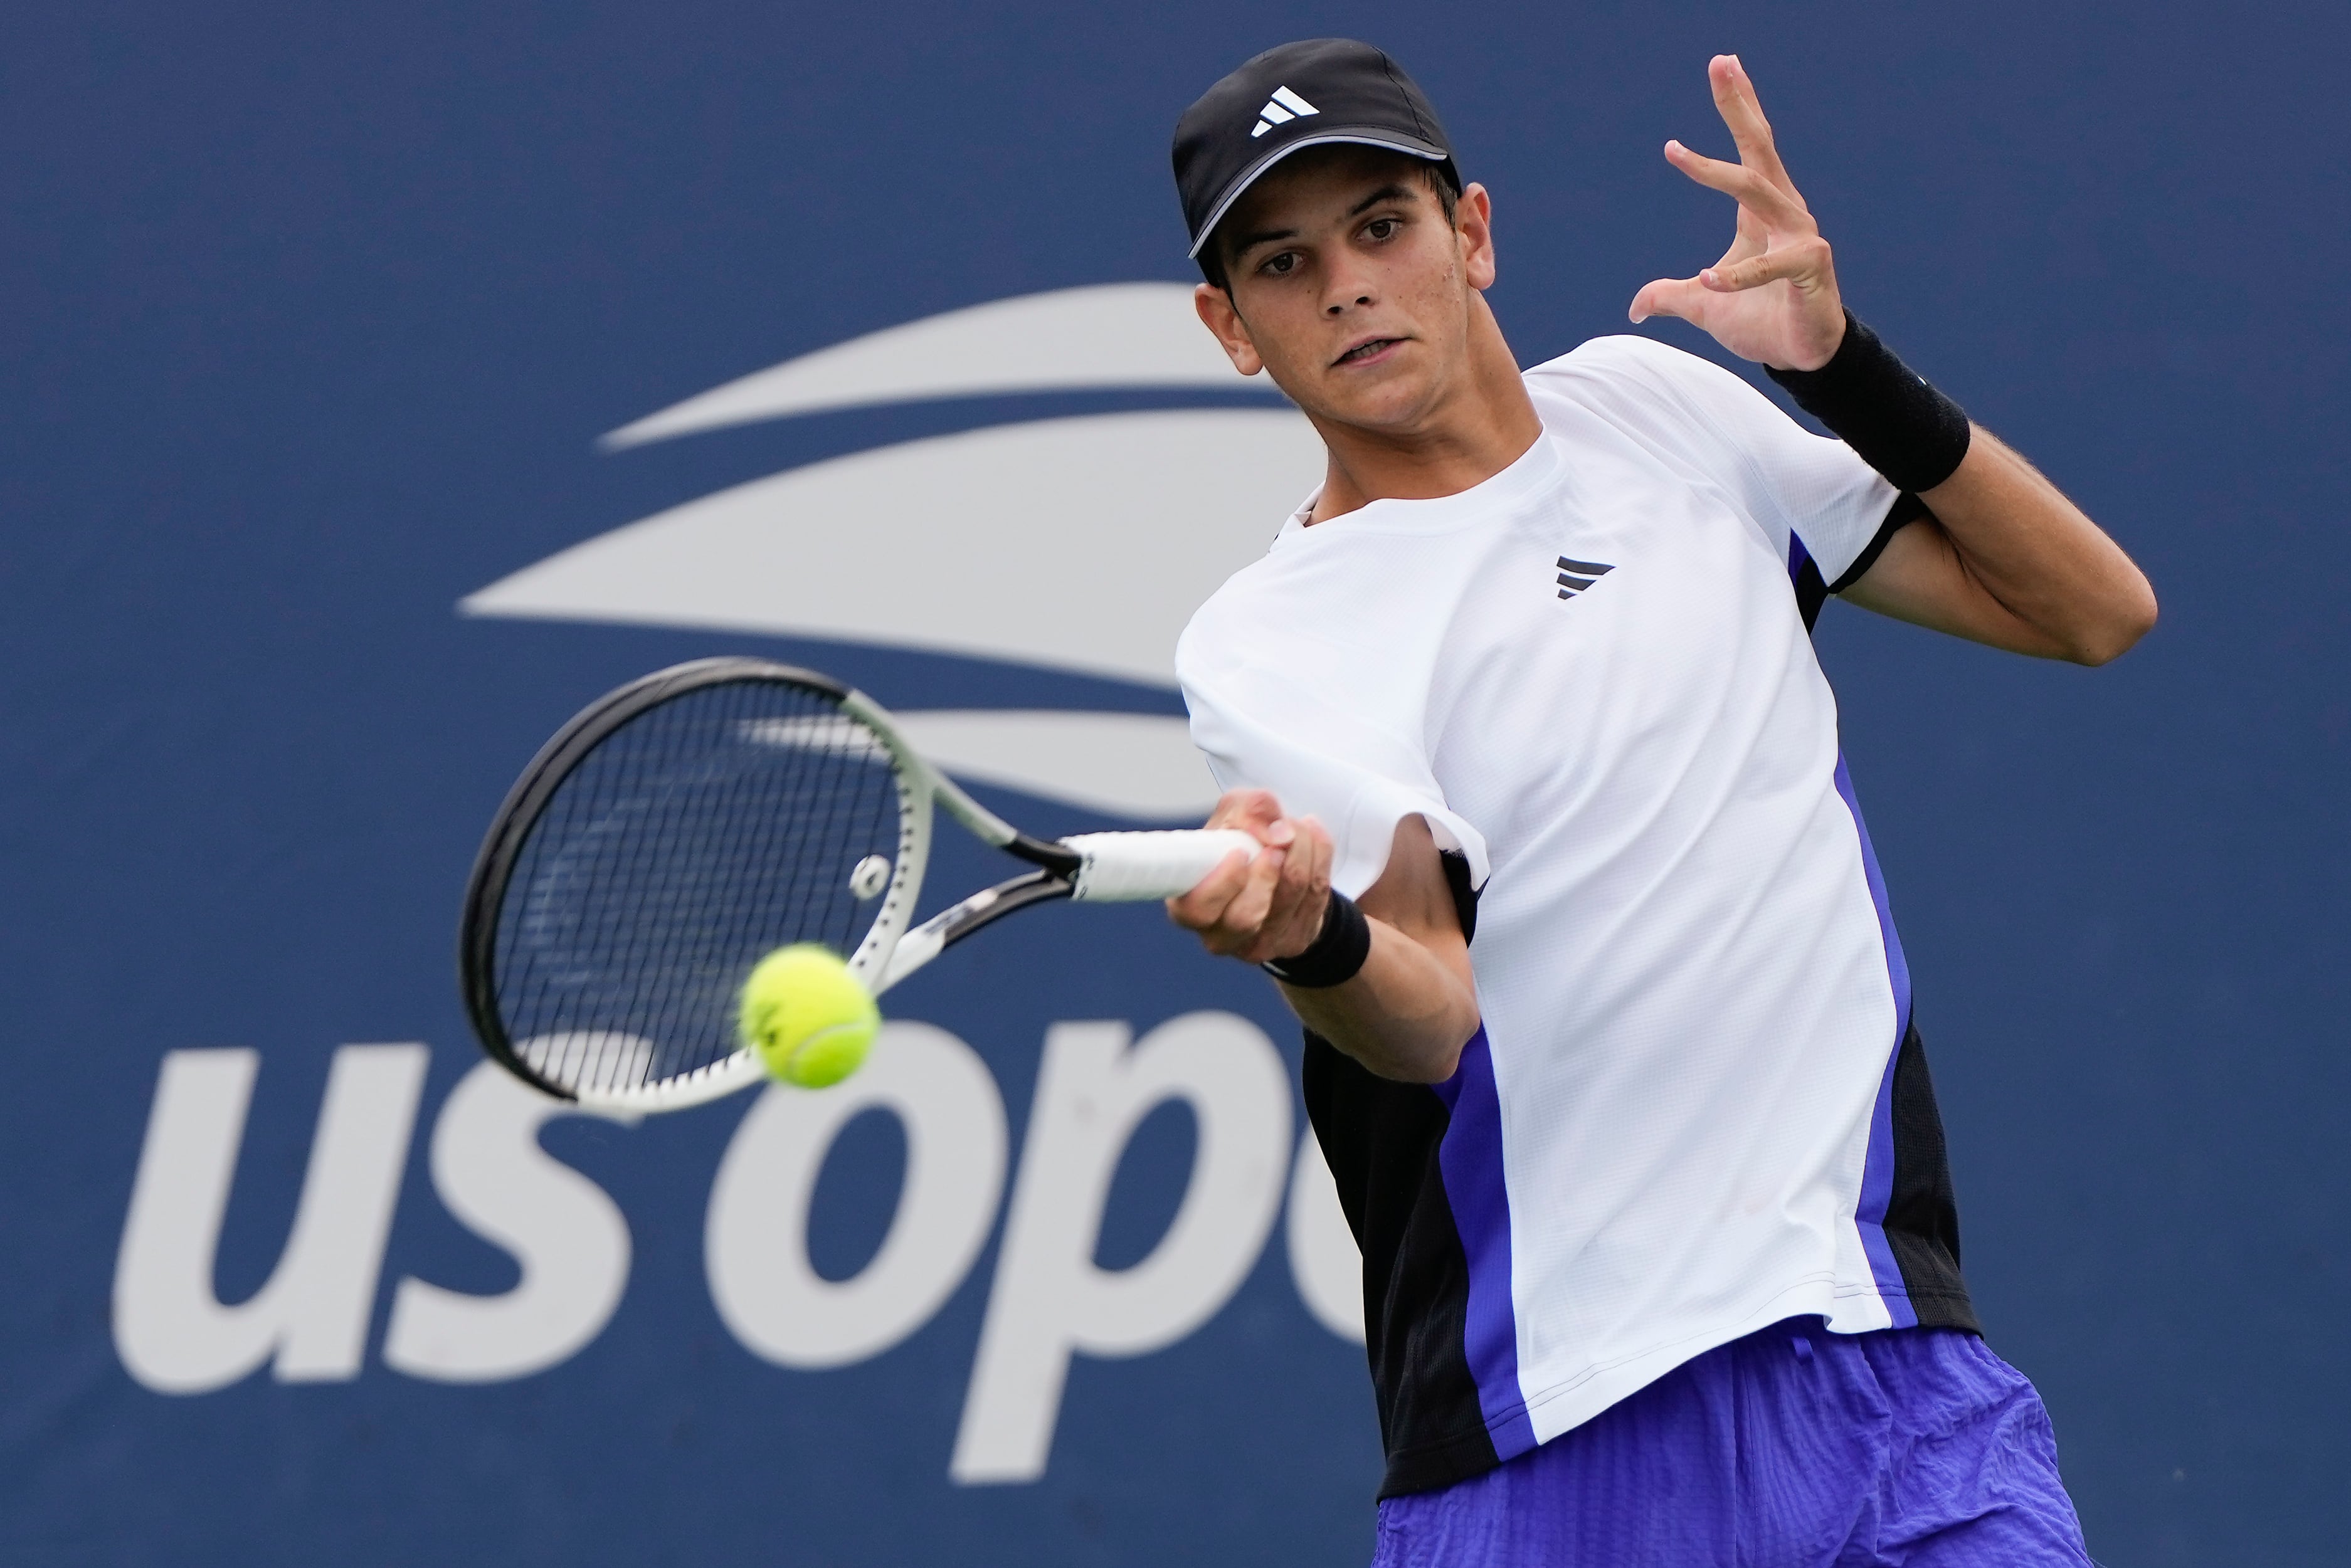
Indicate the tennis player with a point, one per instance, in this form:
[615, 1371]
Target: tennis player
[1609, 1038]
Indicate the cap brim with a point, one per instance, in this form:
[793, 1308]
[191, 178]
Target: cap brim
[1337, 134]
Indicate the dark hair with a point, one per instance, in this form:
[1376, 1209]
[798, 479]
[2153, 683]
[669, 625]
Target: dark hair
[1440, 178]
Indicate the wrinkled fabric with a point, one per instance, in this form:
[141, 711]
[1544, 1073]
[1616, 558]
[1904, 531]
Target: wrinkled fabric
[1793, 1447]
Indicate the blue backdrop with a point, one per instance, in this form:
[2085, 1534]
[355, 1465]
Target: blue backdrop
[312, 318]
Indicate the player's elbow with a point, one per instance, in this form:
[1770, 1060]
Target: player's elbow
[1434, 1054]
[1429, 1064]
[2106, 636]
[1416, 1056]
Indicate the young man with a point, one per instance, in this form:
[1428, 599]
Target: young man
[1609, 1039]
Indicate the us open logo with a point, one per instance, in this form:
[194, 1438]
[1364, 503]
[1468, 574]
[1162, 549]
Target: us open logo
[817, 552]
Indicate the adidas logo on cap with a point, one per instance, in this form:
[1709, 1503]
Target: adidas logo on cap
[1284, 105]
[1360, 94]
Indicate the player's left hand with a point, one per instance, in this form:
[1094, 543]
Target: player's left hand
[1774, 296]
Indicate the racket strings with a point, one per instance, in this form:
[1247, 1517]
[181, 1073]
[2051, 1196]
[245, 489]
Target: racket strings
[696, 838]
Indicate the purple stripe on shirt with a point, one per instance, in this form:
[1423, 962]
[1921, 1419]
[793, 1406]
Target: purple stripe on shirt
[1471, 1155]
[1797, 555]
[1877, 1169]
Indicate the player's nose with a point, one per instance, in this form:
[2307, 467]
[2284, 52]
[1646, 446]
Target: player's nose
[1349, 287]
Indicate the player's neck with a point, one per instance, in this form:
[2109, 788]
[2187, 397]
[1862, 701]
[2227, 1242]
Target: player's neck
[1483, 423]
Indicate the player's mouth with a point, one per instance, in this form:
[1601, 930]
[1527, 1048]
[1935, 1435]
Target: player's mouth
[1366, 351]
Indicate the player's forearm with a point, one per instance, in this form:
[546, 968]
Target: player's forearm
[1405, 1015]
[2009, 560]
[2018, 538]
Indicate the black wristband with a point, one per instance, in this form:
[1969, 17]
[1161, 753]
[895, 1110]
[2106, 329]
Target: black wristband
[1336, 953]
[1882, 409]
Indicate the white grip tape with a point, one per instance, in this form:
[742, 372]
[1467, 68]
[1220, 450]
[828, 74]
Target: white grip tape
[1131, 868]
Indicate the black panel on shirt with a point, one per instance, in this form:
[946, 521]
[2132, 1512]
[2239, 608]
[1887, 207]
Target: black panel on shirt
[1811, 592]
[1906, 509]
[1922, 1217]
[1465, 896]
[1380, 1139]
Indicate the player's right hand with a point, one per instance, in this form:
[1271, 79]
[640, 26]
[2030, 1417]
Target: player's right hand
[1271, 906]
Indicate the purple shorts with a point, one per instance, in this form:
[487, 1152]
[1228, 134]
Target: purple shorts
[1790, 1448]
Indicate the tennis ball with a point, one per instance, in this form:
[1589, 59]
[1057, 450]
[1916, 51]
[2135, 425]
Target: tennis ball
[806, 1018]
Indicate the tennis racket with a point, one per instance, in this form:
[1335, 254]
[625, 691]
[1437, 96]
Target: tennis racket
[685, 826]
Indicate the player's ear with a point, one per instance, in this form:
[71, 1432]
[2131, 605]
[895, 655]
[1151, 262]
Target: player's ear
[1473, 219]
[1217, 314]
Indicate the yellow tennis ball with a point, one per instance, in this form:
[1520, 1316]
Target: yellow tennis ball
[806, 1018]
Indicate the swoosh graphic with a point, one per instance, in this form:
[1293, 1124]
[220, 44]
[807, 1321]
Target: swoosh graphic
[1080, 544]
[1103, 335]
[1136, 765]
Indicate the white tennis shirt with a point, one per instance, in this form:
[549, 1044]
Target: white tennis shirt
[1591, 676]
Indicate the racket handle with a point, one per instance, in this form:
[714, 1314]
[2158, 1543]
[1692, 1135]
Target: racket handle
[1134, 868]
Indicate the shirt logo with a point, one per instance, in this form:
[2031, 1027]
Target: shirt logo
[1576, 576]
[1283, 105]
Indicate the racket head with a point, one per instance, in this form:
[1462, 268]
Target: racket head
[674, 833]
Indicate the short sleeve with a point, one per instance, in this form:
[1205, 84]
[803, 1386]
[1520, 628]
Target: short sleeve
[1260, 728]
[1795, 486]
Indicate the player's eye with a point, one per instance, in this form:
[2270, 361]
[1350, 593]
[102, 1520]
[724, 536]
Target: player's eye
[1383, 228]
[1281, 264]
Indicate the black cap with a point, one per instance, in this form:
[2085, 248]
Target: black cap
[1307, 94]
